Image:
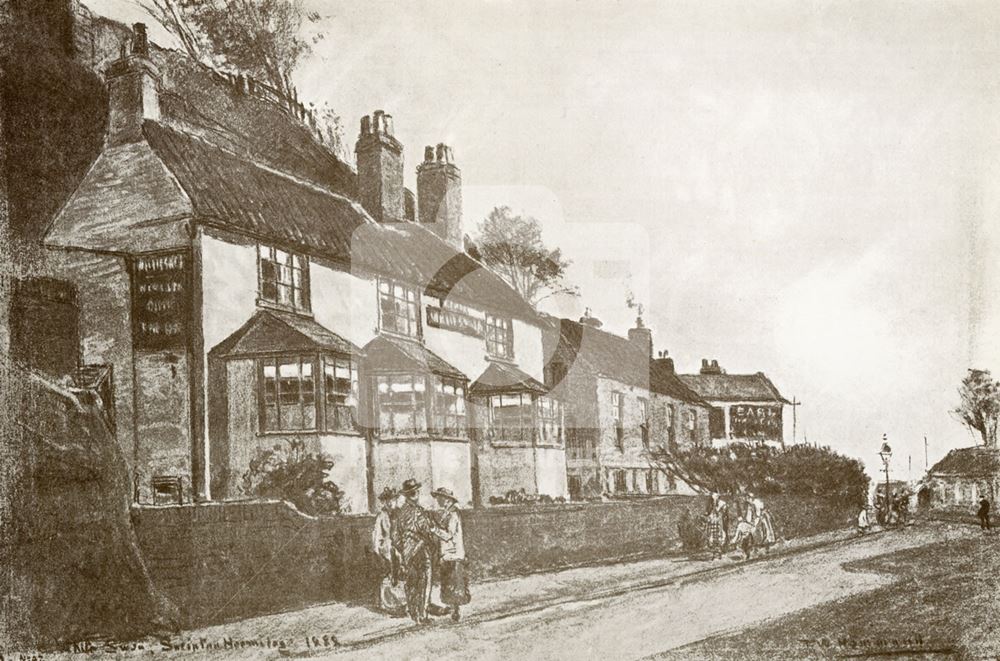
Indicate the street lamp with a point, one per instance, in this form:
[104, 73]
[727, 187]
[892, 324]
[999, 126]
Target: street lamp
[886, 454]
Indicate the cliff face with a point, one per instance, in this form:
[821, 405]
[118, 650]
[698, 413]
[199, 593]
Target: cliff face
[76, 563]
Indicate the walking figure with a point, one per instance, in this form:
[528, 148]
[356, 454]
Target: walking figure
[715, 537]
[383, 534]
[984, 514]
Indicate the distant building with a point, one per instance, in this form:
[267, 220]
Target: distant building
[963, 477]
[621, 404]
[746, 408]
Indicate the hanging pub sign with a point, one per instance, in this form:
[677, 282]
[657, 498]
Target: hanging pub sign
[759, 421]
[161, 301]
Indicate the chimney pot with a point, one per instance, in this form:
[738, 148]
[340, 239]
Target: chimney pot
[387, 123]
[440, 152]
[366, 125]
[428, 154]
[378, 121]
[140, 42]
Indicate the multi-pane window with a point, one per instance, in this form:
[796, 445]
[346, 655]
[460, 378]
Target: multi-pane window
[618, 413]
[509, 417]
[340, 384]
[399, 308]
[283, 278]
[691, 424]
[644, 424]
[289, 394]
[449, 407]
[549, 421]
[499, 336]
[401, 404]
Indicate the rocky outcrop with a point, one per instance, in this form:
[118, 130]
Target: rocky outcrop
[76, 566]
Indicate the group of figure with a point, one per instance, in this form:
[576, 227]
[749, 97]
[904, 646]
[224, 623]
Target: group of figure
[413, 545]
[894, 510]
[754, 527]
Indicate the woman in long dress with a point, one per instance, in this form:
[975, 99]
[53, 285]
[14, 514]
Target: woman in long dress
[715, 537]
[763, 525]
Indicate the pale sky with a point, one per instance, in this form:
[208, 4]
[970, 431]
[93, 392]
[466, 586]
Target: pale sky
[805, 189]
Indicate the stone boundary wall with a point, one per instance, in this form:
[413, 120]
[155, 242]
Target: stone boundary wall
[223, 561]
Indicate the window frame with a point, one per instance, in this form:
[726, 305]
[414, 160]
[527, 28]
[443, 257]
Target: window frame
[644, 424]
[321, 404]
[460, 416]
[554, 415]
[296, 263]
[417, 431]
[414, 324]
[526, 431]
[265, 400]
[618, 416]
[352, 393]
[499, 336]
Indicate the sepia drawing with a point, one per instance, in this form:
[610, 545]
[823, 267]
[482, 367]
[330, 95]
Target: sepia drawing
[491, 330]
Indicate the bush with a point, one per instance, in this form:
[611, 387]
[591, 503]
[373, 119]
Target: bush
[799, 470]
[294, 475]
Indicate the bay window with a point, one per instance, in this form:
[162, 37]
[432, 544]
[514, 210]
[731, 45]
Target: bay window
[509, 417]
[399, 308]
[283, 278]
[416, 404]
[289, 394]
[402, 404]
[292, 399]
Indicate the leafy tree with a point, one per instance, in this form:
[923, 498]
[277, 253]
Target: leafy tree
[512, 246]
[980, 405]
[294, 475]
[259, 37]
[801, 469]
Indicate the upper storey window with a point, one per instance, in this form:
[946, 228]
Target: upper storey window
[398, 308]
[283, 278]
[499, 337]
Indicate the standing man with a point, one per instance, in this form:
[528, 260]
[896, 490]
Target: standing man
[382, 546]
[454, 581]
[416, 533]
[984, 513]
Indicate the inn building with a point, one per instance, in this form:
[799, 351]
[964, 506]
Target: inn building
[255, 289]
[745, 408]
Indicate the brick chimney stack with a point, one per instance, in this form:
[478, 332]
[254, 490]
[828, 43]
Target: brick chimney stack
[711, 367]
[439, 195]
[380, 168]
[641, 336]
[133, 89]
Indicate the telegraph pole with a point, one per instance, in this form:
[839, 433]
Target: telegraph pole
[794, 404]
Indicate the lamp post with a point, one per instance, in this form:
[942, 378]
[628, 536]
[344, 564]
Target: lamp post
[886, 454]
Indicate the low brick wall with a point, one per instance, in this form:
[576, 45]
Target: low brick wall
[224, 561]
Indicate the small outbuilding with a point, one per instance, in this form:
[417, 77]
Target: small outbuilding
[962, 478]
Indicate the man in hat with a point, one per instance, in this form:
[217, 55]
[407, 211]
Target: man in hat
[454, 582]
[382, 547]
[416, 535]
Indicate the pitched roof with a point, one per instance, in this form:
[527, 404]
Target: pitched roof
[502, 377]
[618, 358]
[391, 353]
[174, 175]
[269, 331]
[733, 387]
[969, 462]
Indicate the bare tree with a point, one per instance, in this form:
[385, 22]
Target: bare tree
[980, 405]
[512, 246]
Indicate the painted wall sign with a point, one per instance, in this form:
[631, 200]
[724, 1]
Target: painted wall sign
[456, 321]
[755, 421]
[161, 301]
